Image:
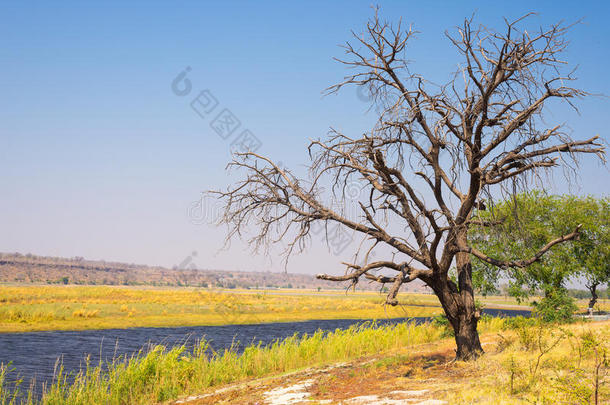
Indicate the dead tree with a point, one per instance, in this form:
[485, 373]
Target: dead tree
[437, 154]
[593, 289]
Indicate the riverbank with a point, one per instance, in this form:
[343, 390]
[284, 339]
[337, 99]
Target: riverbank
[34, 355]
[162, 373]
[545, 364]
[523, 362]
[45, 308]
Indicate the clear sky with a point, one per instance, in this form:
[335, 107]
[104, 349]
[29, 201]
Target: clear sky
[100, 158]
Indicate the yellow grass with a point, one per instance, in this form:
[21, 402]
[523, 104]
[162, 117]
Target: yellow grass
[556, 364]
[36, 308]
[535, 364]
[525, 363]
[163, 373]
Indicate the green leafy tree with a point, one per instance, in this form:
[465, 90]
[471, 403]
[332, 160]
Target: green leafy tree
[592, 251]
[523, 225]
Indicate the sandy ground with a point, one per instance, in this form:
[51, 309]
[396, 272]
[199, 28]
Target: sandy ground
[423, 374]
[364, 381]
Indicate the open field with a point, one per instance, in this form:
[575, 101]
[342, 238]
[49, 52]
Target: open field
[35, 308]
[524, 363]
[32, 308]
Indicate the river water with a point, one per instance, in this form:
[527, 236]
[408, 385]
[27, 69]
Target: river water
[34, 355]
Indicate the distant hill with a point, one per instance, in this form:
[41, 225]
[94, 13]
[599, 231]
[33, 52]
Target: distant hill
[19, 268]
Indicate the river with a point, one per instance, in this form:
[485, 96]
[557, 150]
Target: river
[34, 355]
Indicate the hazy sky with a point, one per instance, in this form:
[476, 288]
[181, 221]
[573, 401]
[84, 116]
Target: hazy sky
[100, 158]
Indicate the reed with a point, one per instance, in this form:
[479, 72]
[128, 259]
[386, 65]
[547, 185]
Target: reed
[529, 360]
[162, 373]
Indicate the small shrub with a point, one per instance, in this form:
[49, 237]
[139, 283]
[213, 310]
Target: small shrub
[443, 322]
[527, 337]
[515, 371]
[556, 306]
[505, 342]
[84, 313]
[24, 316]
[518, 322]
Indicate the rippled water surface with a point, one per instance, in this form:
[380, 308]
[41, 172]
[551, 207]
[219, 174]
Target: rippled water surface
[34, 354]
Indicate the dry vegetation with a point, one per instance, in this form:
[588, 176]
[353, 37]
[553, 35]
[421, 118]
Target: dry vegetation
[30, 308]
[525, 363]
[34, 308]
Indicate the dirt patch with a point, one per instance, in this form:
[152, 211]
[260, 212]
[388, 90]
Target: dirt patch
[424, 374]
[400, 378]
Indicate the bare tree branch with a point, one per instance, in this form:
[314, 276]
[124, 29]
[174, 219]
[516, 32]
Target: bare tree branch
[422, 170]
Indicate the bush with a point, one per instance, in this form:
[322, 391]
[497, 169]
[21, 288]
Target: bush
[442, 321]
[518, 322]
[556, 306]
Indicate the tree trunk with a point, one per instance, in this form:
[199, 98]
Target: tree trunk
[463, 317]
[593, 300]
[459, 305]
[467, 339]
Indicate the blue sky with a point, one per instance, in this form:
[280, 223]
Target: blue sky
[99, 158]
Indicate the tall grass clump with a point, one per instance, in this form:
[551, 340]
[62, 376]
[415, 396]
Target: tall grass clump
[162, 373]
[12, 395]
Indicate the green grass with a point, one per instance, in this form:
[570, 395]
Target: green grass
[162, 374]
